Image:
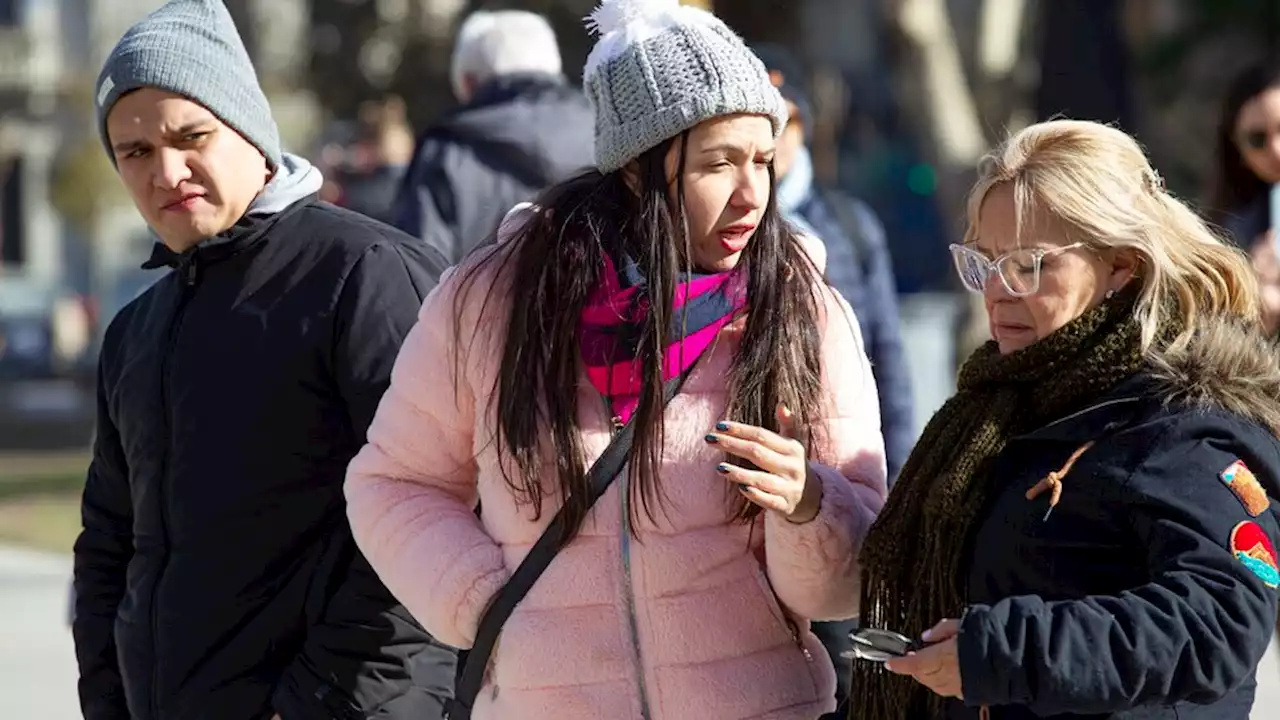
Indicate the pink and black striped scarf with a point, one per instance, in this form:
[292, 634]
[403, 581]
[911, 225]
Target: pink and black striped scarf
[612, 321]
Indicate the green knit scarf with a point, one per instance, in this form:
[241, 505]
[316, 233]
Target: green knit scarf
[915, 557]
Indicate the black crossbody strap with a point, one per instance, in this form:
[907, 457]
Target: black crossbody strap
[602, 474]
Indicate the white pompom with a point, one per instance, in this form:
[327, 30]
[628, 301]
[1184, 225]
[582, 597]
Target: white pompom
[613, 15]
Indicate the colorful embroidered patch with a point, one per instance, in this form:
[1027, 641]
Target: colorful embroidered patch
[1251, 546]
[1245, 485]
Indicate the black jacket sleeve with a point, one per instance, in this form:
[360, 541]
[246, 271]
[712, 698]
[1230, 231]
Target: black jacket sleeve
[1193, 632]
[367, 655]
[102, 554]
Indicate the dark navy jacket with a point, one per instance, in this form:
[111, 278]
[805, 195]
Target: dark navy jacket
[1246, 224]
[518, 135]
[1149, 591]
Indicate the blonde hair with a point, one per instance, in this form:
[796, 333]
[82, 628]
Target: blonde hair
[1096, 181]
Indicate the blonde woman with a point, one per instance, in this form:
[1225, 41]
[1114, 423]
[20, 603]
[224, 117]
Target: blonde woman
[1089, 524]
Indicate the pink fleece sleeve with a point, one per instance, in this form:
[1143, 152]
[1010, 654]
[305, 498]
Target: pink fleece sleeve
[814, 566]
[411, 490]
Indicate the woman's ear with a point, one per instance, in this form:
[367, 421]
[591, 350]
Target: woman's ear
[1124, 267]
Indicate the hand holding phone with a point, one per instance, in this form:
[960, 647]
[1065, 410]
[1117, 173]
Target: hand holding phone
[934, 663]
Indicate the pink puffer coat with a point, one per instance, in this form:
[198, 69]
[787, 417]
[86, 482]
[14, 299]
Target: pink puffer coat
[680, 623]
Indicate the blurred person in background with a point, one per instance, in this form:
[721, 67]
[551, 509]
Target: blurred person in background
[216, 575]
[521, 127]
[1085, 528]
[687, 590]
[859, 267]
[364, 173]
[858, 261]
[1247, 166]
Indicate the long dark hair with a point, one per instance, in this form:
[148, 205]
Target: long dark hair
[1234, 184]
[553, 262]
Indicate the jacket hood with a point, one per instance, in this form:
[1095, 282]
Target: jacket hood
[1226, 366]
[294, 180]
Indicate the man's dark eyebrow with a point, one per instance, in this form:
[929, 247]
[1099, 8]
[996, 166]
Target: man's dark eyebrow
[128, 146]
[729, 149]
[193, 127]
[131, 145]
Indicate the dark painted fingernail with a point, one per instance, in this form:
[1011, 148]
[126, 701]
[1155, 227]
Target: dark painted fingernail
[722, 426]
[722, 468]
[712, 439]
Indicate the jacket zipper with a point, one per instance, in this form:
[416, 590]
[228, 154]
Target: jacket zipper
[795, 637]
[615, 426]
[189, 274]
[629, 590]
[786, 619]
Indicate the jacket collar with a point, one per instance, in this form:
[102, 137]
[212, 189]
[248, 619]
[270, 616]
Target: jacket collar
[1152, 393]
[1226, 367]
[1121, 406]
[504, 88]
[248, 231]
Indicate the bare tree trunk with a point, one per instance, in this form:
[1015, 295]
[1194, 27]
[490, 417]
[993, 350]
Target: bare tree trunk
[966, 102]
[952, 113]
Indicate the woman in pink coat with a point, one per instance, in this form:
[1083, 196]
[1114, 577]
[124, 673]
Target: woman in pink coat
[687, 589]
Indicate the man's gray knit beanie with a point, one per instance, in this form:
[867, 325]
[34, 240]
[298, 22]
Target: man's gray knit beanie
[191, 48]
[661, 68]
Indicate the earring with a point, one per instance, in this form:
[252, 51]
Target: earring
[1111, 294]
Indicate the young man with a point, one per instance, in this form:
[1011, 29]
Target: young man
[216, 576]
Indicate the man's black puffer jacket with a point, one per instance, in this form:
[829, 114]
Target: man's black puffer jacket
[216, 576]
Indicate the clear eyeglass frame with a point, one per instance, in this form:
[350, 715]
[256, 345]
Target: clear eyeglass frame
[1019, 270]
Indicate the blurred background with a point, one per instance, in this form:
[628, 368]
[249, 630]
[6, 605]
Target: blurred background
[906, 94]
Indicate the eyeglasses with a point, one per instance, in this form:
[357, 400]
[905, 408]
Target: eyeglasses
[1018, 270]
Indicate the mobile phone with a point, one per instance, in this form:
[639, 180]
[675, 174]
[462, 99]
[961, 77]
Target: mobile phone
[877, 645]
[1275, 217]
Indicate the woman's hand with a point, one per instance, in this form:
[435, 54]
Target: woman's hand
[936, 666]
[784, 482]
[1267, 265]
